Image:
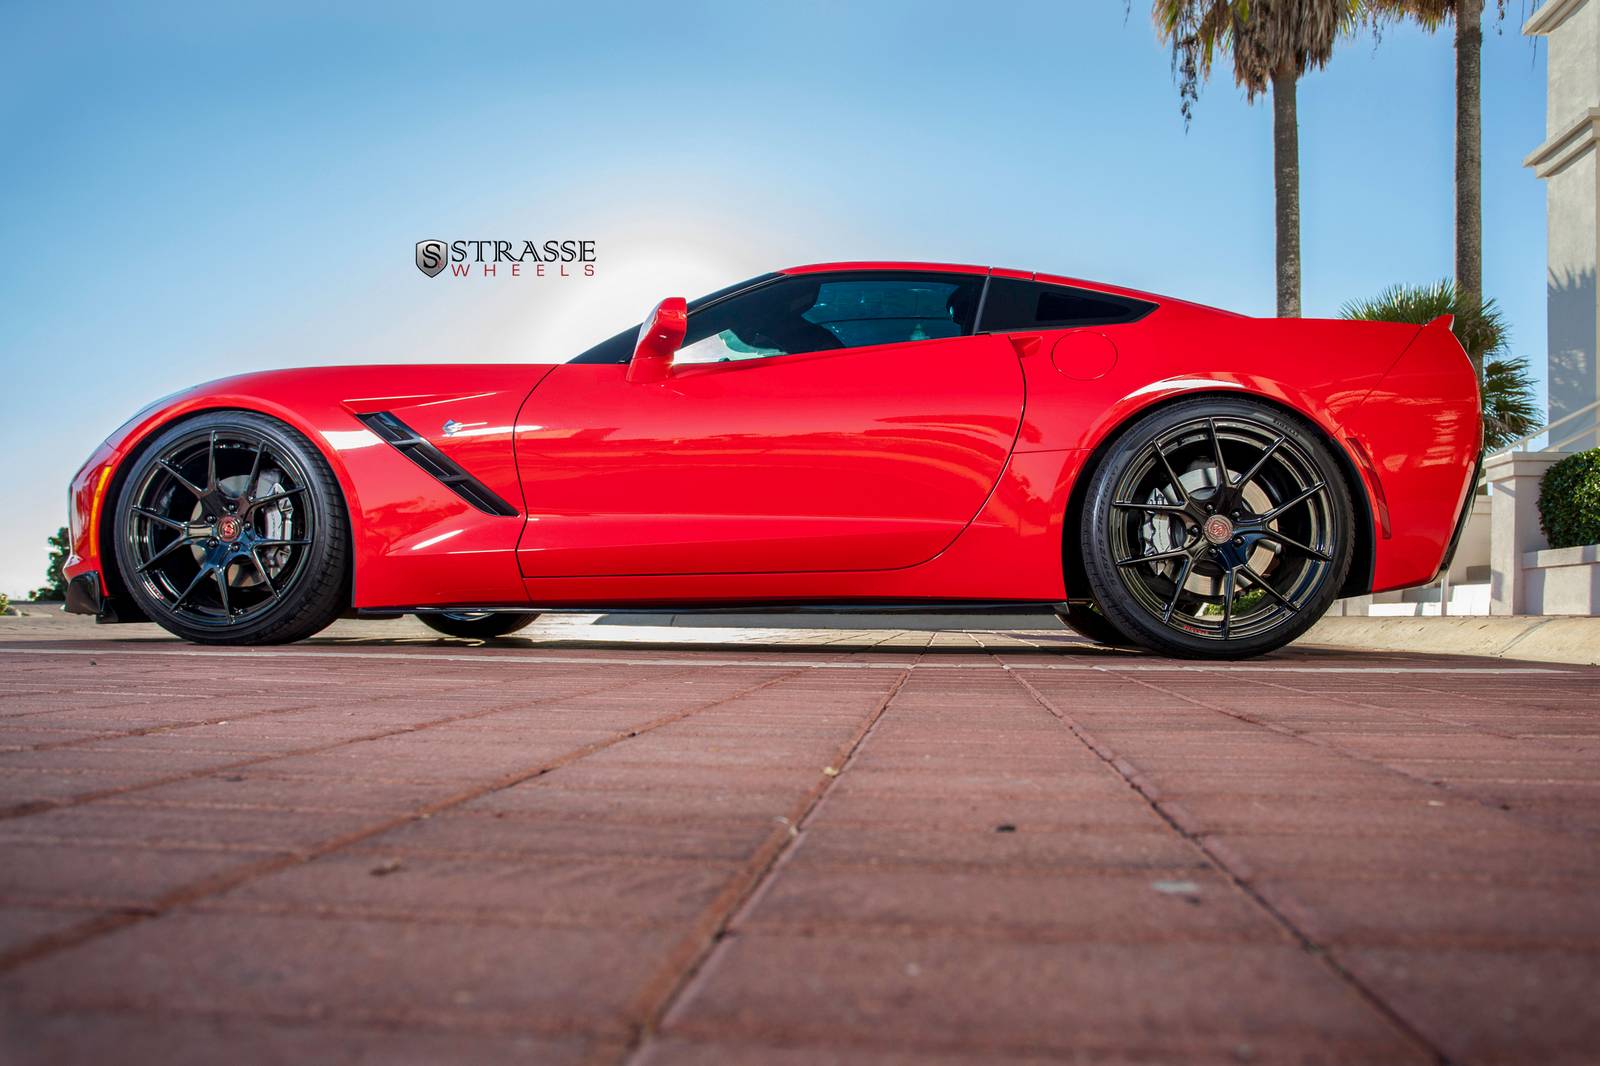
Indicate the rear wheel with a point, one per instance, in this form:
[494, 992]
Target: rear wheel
[475, 625]
[231, 529]
[1217, 528]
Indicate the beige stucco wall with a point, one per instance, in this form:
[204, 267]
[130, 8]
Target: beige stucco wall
[1567, 163]
[1574, 65]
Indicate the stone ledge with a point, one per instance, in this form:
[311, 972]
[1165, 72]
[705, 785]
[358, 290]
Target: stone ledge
[1563, 639]
[1545, 558]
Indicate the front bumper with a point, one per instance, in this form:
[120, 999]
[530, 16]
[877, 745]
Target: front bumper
[84, 596]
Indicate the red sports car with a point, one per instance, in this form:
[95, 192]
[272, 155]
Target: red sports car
[849, 435]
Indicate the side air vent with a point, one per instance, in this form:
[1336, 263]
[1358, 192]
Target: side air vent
[439, 465]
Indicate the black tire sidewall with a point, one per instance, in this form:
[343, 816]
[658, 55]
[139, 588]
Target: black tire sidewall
[1088, 622]
[1113, 598]
[317, 593]
[499, 624]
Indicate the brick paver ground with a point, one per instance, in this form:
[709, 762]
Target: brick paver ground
[788, 846]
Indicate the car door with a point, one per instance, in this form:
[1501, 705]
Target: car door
[825, 422]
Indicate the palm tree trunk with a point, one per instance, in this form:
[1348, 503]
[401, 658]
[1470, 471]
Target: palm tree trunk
[1469, 152]
[1286, 188]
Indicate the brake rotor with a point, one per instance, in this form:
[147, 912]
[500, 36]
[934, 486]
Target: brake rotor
[1160, 533]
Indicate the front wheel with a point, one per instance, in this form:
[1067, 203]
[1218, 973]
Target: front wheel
[230, 529]
[475, 625]
[1217, 528]
[1089, 623]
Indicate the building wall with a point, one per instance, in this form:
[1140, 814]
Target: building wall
[1567, 163]
[1574, 43]
[1570, 296]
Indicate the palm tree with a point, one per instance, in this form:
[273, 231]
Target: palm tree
[1272, 43]
[1468, 18]
[1508, 408]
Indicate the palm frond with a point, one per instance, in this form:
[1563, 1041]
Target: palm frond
[1509, 412]
[1481, 329]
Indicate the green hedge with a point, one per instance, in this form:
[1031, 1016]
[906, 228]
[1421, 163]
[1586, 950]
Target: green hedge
[1569, 500]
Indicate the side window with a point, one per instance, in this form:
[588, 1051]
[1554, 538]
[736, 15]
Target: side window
[1014, 304]
[619, 349]
[823, 312]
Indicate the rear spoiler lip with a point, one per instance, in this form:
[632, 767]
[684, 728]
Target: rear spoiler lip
[1445, 322]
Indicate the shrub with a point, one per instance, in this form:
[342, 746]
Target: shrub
[1569, 500]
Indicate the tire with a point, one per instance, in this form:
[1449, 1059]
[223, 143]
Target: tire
[476, 625]
[1193, 564]
[1088, 622]
[230, 528]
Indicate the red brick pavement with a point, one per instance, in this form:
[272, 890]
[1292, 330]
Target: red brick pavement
[369, 850]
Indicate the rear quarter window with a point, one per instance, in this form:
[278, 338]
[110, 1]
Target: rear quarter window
[1013, 304]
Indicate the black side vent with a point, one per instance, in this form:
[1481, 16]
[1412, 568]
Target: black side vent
[422, 452]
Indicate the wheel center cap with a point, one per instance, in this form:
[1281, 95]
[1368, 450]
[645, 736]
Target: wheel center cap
[1218, 529]
[229, 526]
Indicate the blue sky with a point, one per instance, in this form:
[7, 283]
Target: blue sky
[196, 189]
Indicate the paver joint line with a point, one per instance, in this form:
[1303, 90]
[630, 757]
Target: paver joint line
[229, 879]
[1237, 877]
[1355, 756]
[677, 978]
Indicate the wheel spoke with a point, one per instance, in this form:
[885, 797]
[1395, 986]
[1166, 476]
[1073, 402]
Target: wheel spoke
[281, 494]
[1216, 449]
[177, 542]
[1227, 603]
[1177, 590]
[1289, 542]
[1304, 495]
[222, 588]
[177, 475]
[266, 578]
[283, 543]
[1154, 557]
[170, 523]
[184, 595]
[1261, 461]
[1261, 583]
[1159, 508]
[255, 468]
[211, 464]
[1177, 486]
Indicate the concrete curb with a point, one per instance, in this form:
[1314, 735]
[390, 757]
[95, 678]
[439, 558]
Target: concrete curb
[1573, 640]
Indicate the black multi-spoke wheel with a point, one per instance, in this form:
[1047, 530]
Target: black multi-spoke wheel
[1217, 528]
[475, 625]
[231, 530]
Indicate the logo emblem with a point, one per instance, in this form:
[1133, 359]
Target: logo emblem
[452, 427]
[432, 257]
[229, 526]
[1218, 529]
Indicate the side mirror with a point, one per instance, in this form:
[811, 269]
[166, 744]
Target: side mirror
[659, 337]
